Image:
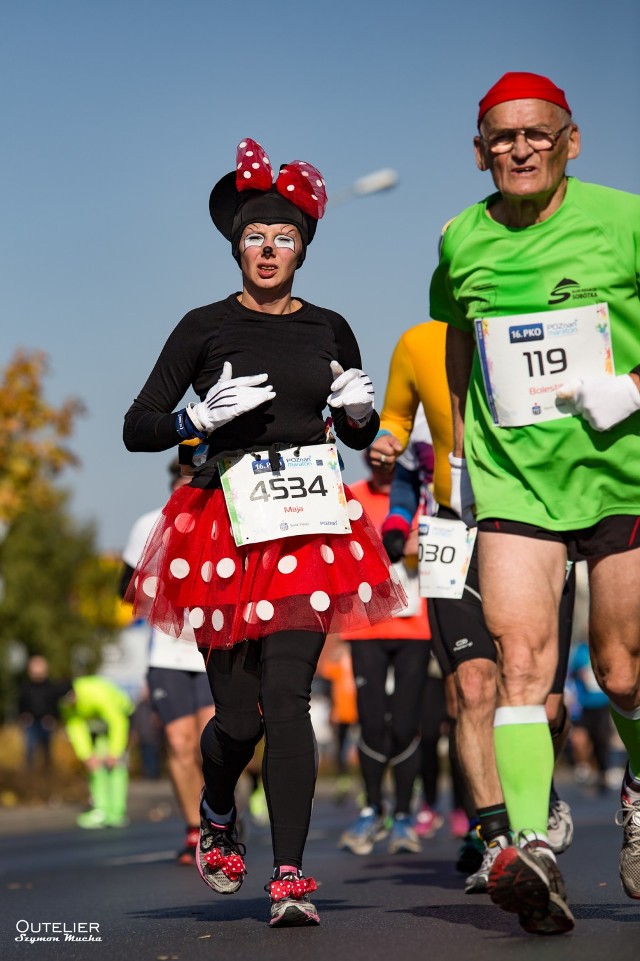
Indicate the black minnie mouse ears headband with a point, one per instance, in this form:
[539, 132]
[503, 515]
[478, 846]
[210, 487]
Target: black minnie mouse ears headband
[249, 195]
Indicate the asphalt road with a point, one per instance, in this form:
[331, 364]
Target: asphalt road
[145, 907]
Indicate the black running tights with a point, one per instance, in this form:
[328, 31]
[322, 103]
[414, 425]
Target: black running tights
[265, 687]
[389, 724]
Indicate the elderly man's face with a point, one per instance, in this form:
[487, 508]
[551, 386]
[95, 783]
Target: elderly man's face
[524, 172]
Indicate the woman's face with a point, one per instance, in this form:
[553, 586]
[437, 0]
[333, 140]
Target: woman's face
[269, 254]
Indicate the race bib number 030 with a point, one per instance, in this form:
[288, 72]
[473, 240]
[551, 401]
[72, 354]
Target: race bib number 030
[527, 357]
[304, 495]
[444, 554]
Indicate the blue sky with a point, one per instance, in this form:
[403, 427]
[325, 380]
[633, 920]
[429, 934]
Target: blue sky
[118, 117]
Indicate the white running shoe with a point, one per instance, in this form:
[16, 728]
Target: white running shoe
[629, 819]
[476, 883]
[560, 825]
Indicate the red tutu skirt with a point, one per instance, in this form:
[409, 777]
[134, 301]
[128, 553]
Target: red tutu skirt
[192, 569]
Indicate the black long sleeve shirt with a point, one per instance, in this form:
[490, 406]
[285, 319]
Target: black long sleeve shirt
[295, 350]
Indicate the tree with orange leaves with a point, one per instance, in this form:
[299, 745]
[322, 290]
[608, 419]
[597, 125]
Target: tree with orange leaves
[32, 436]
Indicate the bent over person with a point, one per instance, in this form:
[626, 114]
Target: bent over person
[96, 712]
[539, 284]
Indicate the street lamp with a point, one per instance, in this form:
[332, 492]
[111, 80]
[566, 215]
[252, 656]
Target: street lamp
[372, 183]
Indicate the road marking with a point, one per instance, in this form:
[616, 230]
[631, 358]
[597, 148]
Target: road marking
[142, 858]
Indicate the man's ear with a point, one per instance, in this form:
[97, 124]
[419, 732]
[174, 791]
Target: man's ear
[574, 143]
[478, 148]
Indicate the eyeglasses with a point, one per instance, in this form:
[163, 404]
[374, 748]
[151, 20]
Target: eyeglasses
[537, 138]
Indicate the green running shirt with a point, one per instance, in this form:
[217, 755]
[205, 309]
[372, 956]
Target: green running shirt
[561, 474]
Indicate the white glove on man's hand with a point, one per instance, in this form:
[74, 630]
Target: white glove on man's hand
[602, 401]
[229, 398]
[353, 391]
[462, 499]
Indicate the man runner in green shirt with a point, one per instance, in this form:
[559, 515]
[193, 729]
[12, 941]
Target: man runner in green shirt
[546, 424]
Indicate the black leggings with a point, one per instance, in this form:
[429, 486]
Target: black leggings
[265, 687]
[389, 726]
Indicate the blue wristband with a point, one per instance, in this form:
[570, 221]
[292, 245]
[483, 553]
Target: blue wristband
[185, 426]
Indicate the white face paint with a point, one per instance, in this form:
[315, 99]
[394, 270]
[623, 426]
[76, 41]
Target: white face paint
[255, 239]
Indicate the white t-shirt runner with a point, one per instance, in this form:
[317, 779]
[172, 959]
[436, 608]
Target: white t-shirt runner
[176, 653]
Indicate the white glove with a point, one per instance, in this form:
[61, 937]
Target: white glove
[462, 499]
[602, 401]
[353, 391]
[229, 398]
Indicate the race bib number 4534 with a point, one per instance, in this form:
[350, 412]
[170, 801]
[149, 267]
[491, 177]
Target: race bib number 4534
[302, 495]
[525, 358]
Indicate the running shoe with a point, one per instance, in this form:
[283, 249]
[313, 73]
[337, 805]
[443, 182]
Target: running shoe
[471, 853]
[403, 837]
[458, 823]
[290, 904]
[628, 817]
[188, 853]
[220, 856]
[92, 820]
[118, 821]
[476, 883]
[360, 837]
[427, 822]
[527, 881]
[560, 825]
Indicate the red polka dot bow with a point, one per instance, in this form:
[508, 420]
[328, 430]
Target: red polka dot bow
[231, 865]
[288, 888]
[298, 181]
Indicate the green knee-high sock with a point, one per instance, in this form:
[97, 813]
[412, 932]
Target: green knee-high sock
[628, 727]
[118, 784]
[524, 758]
[99, 789]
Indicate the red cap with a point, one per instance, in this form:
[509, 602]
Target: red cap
[522, 86]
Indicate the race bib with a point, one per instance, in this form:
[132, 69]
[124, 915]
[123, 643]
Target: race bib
[444, 554]
[527, 357]
[409, 578]
[303, 495]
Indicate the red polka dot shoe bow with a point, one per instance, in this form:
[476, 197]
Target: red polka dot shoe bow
[231, 865]
[291, 888]
[298, 181]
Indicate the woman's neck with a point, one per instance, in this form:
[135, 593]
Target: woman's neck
[268, 301]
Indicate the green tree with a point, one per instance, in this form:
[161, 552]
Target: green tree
[59, 596]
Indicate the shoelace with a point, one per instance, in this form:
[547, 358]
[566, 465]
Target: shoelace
[629, 819]
[555, 814]
[226, 855]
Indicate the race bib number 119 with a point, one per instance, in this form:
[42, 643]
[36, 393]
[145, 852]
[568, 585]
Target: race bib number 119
[302, 495]
[526, 358]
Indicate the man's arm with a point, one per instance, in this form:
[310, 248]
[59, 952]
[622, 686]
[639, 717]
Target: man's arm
[398, 411]
[459, 359]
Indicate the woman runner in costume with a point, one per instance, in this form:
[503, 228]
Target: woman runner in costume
[265, 365]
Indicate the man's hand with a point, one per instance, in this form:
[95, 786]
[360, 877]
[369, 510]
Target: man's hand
[602, 401]
[384, 452]
[395, 531]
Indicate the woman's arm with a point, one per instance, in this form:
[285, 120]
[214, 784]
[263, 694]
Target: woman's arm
[152, 423]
